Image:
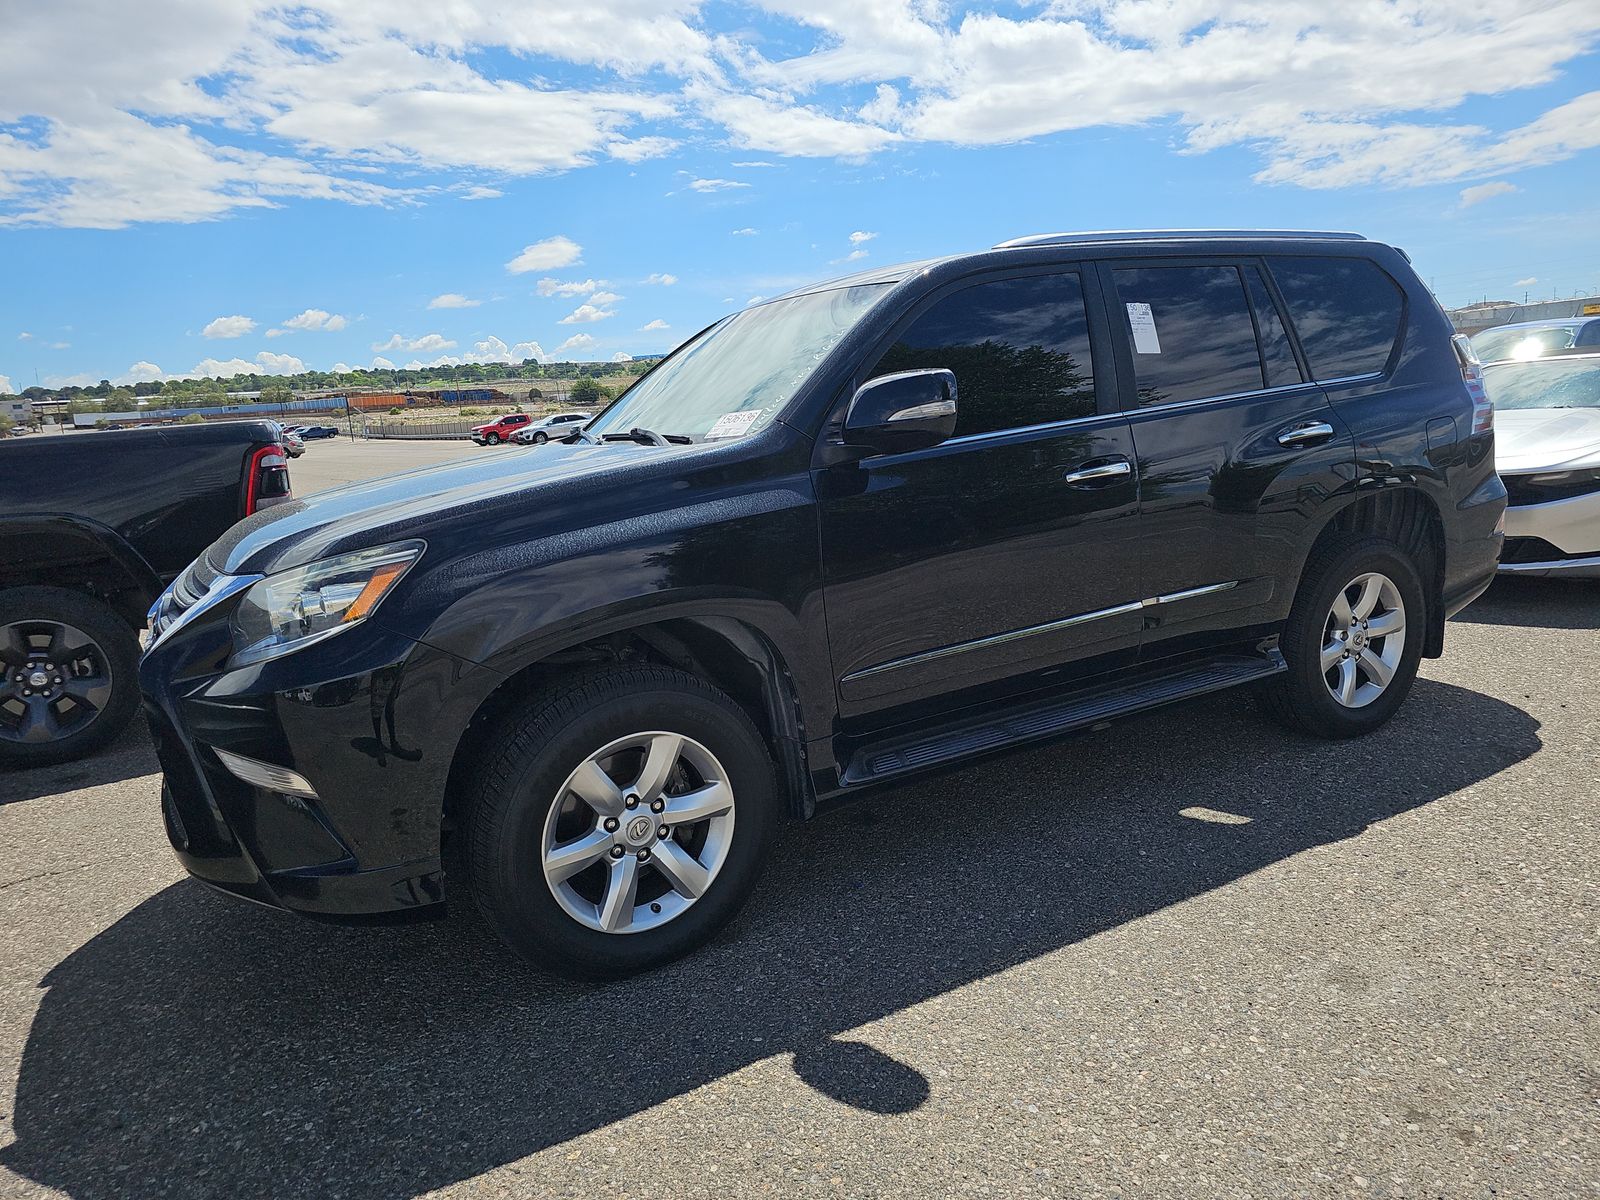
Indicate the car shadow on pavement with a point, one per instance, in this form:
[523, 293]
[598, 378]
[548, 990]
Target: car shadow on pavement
[131, 755]
[200, 1045]
[1537, 604]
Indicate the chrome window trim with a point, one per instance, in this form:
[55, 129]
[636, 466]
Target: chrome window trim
[1177, 404]
[1033, 630]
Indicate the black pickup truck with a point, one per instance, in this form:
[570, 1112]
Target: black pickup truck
[91, 530]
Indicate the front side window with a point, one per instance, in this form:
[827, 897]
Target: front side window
[1019, 349]
[1191, 332]
[1346, 311]
[735, 378]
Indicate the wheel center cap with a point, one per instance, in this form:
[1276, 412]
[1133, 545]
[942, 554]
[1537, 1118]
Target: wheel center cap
[1358, 639]
[640, 830]
[38, 679]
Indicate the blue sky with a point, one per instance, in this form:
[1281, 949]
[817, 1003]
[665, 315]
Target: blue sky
[200, 187]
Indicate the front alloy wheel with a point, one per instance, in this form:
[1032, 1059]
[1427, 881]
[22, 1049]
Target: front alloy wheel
[638, 832]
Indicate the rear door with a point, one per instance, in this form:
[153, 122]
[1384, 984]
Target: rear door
[1006, 556]
[1236, 448]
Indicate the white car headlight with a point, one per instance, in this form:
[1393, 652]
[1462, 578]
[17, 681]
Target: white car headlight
[285, 612]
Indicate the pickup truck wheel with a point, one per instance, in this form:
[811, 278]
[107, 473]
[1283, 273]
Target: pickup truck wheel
[68, 675]
[619, 822]
[1353, 640]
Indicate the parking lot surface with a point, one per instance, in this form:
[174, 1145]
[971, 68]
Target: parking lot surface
[332, 462]
[1188, 955]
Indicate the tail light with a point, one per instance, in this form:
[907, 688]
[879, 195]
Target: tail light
[1472, 376]
[267, 480]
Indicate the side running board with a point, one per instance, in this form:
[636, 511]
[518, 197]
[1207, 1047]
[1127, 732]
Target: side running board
[998, 729]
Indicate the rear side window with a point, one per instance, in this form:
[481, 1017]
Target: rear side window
[1277, 356]
[1346, 311]
[1191, 332]
[1019, 349]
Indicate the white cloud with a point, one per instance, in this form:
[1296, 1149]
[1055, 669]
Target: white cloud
[382, 364]
[715, 185]
[660, 278]
[25, 336]
[493, 349]
[860, 236]
[586, 314]
[428, 342]
[601, 299]
[6, 386]
[141, 372]
[755, 300]
[622, 356]
[265, 363]
[746, 232]
[112, 119]
[1486, 191]
[753, 164]
[578, 341]
[228, 327]
[853, 256]
[555, 287]
[553, 252]
[658, 323]
[314, 320]
[61, 345]
[340, 368]
[1528, 282]
[453, 300]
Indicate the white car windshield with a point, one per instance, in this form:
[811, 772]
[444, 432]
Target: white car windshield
[738, 375]
[1548, 383]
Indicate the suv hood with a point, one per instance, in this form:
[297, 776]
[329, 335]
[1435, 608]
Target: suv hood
[1544, 439]
[492, 491]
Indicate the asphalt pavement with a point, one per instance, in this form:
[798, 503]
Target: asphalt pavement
[1190, 955]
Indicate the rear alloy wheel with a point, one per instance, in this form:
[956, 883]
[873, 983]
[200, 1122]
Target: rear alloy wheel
[1353, 640]
[619, 822]
[67, 675]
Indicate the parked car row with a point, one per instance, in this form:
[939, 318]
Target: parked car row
[526, 430]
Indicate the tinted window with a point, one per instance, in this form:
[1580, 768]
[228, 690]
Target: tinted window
[1346, 311]
[1191, 332]
[1277, 356]
[1019, 349]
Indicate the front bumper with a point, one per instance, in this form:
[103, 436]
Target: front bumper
[369, 719]
[1558, 538]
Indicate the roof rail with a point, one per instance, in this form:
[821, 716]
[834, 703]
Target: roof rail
[1173, 235]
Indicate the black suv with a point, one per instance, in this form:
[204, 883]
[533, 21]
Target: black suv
[874, 527]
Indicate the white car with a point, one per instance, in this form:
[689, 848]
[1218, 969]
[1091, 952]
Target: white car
[556, 426]
[1547, 450]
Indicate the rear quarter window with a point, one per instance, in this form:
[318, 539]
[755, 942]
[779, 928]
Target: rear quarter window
[1347, 311]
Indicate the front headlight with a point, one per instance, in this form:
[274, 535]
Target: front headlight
[287, 611]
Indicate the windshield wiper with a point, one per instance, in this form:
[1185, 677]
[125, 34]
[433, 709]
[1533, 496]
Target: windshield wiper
[648, 437]
[578, 435]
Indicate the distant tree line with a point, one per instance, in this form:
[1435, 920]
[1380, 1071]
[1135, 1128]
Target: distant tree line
[278, 388]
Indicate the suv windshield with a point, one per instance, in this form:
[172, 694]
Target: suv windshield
[1550, 383]
[1497, 345]
[737, 376]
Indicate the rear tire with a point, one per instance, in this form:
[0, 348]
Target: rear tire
[49, 635]
[659, 898]
[1346, 677]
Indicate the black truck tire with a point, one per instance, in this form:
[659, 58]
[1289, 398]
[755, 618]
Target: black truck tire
[68, 675]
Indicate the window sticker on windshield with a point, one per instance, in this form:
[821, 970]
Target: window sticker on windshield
[1143, 322]
[731, 425]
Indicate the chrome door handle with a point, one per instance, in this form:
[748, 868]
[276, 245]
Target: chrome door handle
[1104, 472]
[1307, 433]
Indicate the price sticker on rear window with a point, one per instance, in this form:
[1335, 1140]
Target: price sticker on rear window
[732, 425]
[1143, 322]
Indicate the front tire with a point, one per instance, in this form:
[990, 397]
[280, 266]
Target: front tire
[540, 438]
[492, 439]
[68, 675]
[564, 852]
[1353, 640]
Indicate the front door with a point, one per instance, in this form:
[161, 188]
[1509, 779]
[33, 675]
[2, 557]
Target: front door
[1006, 557]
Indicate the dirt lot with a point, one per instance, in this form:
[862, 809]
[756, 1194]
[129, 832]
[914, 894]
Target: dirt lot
[1187, 956]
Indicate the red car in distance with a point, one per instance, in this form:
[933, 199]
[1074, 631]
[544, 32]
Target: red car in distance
[500, 429]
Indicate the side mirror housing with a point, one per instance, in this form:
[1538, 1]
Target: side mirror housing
[908, 411]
